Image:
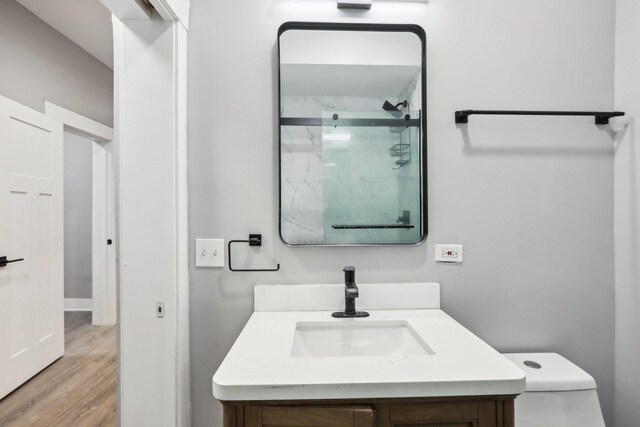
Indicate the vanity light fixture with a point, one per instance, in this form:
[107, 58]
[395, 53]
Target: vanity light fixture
[355, 4]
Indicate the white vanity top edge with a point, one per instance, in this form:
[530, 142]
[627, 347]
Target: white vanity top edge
[260, 365]
[332, 392]
[373, 296]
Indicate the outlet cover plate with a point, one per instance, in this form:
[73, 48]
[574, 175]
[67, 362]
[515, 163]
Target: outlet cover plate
[449, 253]
[210, 253]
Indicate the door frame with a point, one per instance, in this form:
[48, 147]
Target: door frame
[104, 282]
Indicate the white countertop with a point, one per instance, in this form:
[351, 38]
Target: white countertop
[259, 366]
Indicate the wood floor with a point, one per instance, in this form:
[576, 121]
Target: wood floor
[78, 389]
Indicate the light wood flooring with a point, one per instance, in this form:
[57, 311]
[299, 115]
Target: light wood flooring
[78, 389]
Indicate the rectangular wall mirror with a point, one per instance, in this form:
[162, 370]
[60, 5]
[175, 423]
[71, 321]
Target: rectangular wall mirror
[352, 134]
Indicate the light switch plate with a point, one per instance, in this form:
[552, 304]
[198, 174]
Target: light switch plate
[210, 253]
[449, 253]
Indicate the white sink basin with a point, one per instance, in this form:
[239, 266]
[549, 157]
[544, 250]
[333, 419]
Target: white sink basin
[357, 339]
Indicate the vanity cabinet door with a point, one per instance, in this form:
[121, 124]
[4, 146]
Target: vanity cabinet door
[441, 414]
[309, 416]
[495, 413]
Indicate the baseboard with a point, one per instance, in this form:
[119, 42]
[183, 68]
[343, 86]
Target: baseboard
[78, 304]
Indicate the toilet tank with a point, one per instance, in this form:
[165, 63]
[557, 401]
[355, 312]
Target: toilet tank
[558, 393]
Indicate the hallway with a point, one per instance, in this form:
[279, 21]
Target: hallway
[78, 389]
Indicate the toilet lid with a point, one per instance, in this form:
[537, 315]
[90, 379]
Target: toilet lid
[551, 372]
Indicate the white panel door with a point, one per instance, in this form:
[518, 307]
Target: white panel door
[31, 227]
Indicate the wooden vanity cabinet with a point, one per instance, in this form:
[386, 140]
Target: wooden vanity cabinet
[476, 411]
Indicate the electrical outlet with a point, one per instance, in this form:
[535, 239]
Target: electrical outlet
[449, 253]
[210, 253]
[160, 308]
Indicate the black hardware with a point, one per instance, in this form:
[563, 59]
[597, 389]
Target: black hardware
[254, 240]
[109, 241]
[395, 110]
[316, 121]
[369, 226]
[4, 261]
[403, 221]
[350, 295]
[602, 118]
[405, 218]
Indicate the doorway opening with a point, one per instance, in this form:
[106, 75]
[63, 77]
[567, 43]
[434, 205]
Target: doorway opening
[90, 216]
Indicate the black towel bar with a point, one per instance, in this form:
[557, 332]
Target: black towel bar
[602, 117]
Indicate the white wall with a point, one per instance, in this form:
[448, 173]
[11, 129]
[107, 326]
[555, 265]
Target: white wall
[78, 179]
[39, 63]
[530, 198]
[627, 216]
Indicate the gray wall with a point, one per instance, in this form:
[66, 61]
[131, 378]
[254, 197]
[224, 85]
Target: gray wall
[530, 198]
[627, 217]
[78, 161]
[38, 63]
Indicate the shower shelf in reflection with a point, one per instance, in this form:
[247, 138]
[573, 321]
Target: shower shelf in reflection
[402, 152]
[399, 150]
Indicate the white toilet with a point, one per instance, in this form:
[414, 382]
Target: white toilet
[558, 393]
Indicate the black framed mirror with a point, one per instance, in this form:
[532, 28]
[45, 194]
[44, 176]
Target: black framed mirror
[352, 128]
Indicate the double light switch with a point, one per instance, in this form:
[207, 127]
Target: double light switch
[210, 253]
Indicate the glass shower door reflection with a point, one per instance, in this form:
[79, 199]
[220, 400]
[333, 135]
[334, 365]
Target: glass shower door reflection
[371, 178]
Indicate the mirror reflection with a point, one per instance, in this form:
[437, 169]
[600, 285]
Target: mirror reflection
[351, 135]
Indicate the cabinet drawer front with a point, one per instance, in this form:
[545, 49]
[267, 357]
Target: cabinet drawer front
[440, 411]
[315, 416]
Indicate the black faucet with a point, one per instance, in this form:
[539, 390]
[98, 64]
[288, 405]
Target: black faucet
[350, 295]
